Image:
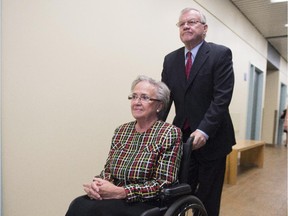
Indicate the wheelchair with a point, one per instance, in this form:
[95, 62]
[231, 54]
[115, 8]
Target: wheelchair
[177, 200]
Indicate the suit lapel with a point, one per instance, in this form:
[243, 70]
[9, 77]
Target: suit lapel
[181, 64]
[200, 59]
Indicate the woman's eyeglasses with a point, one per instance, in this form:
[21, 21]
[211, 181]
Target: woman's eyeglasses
[143, 98]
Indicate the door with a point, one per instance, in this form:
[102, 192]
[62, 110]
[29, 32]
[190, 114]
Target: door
[282, 104]
[255, 99]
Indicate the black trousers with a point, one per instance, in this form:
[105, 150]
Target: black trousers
[206, 179]
[84, 206]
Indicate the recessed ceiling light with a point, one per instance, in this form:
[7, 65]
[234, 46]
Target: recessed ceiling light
[286, 25]
[277, 1]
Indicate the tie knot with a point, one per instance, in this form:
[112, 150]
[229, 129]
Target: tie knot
[189, 54]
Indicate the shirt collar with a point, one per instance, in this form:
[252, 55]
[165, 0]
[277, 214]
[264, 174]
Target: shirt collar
[194, 51]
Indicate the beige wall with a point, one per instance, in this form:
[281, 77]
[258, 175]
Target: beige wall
[270, 107]
[67, 66]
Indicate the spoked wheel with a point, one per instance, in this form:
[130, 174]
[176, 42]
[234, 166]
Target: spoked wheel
[186, 204]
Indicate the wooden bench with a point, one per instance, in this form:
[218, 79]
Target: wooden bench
[251, 153]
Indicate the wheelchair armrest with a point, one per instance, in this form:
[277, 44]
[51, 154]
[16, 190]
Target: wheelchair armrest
[175, 191]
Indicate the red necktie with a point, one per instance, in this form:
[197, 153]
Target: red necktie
[188, 68]
[188, 64]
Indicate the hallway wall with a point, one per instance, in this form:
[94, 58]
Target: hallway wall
[67, 67]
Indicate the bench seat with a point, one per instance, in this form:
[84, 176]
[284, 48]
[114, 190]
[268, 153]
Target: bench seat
[251, 152]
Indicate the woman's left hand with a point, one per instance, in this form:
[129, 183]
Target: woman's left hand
[102, 189]
[92, 191]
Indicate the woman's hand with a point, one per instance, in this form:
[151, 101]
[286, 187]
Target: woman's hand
[102, 189]
[92, 191]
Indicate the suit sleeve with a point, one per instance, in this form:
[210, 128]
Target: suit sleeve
[223, 83]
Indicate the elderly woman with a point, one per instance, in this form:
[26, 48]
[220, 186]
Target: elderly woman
[144, 157]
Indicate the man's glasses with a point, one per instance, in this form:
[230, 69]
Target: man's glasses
[143, 98]
[189, 23]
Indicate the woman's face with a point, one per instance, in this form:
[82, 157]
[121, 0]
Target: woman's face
[142, 108]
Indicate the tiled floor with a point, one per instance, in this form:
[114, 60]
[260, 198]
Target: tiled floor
[259, 192]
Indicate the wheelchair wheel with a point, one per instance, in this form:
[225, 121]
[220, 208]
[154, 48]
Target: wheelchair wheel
[186, 204]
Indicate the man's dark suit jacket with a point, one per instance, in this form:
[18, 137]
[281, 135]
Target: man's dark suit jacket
[204, 99]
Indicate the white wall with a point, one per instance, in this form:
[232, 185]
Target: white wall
[66, 72]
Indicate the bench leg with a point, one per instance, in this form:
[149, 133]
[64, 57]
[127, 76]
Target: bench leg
[231, 168]
[253, 156]
[227, 170]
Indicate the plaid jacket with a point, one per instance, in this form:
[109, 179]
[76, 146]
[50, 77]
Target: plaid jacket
[142, 163]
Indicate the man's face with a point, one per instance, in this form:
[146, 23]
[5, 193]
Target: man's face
[191, 30]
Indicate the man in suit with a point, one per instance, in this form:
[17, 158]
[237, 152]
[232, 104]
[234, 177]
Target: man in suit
[201, 98]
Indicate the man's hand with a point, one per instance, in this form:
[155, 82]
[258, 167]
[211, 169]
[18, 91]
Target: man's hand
[199, 139]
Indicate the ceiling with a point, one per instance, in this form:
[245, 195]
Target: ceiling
[269, 19]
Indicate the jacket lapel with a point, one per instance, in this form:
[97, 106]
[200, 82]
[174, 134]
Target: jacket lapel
[200, 59]
[181, 64]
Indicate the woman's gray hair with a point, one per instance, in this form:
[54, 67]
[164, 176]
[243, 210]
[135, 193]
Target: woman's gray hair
[202, 16]
[162, 91]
